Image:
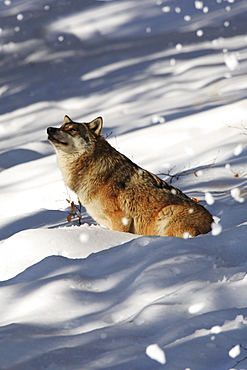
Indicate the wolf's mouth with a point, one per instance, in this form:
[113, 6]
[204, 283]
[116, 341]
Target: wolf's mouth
[53, 139]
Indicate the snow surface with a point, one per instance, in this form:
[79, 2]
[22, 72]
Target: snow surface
[170, 80]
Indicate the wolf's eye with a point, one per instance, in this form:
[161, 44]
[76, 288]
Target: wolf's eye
[72, 130]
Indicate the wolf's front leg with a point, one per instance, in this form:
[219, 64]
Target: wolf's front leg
[121, 222]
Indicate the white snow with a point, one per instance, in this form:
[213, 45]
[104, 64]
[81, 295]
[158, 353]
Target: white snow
[238, 150]
[236, 194]
[199, 4]
[235, 351]
[199, 33]
[170, 81]
[231, 61]
[156, 353]
[209, 198]
[216, 228]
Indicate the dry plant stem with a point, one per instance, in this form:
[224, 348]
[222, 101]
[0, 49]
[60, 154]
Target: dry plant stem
[188, 172]
[75, 211]
[240, 128]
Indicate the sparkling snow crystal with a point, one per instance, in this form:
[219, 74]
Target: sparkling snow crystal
[235, 351]
[209, 198]
[236, 194]
[238, 150]
[216, 229]
[84, 238]
[166, 9]
[231, 61]
[199, 33]
[198, 4]
[195, 308]
[216, 329]
[156, 353]
[19, 17]
[125, 221]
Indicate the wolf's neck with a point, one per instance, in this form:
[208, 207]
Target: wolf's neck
[78, 171]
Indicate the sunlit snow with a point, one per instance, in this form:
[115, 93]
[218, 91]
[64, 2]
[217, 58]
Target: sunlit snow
[156, 353]
[235, 351]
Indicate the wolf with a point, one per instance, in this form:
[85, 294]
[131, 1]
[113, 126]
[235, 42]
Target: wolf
[116, 192]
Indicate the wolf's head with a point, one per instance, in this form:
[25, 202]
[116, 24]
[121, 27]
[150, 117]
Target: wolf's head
[75, 138]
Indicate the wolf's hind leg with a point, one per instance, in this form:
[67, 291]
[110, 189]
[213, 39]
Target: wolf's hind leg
[184, 221]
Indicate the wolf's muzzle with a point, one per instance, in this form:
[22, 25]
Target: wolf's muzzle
[51, 130]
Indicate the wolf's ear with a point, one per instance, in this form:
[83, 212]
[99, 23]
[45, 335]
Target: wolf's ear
[96, 125]
[67, 119]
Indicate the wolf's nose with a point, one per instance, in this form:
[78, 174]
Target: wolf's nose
[51, 130]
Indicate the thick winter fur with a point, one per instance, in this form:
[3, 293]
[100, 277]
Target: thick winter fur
[116, 192]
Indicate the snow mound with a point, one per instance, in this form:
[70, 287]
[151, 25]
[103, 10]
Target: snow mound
[30, 246]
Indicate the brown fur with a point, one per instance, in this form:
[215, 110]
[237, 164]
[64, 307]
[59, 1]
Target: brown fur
[116, 192]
